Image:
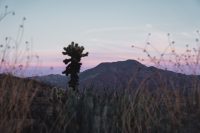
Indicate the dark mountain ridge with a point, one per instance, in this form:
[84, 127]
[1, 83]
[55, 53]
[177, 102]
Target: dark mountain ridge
[123, 74]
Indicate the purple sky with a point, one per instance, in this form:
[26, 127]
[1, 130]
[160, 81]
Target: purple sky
[107, 29]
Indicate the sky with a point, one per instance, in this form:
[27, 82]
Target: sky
[106, 28]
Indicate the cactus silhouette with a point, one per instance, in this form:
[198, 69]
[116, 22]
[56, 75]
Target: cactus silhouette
[75, 52]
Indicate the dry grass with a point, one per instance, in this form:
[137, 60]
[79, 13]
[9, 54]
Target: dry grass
[15, 100]
[23, 108]
[170, 57]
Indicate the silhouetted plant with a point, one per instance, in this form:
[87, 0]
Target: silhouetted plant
[73, 63]
[181, 61]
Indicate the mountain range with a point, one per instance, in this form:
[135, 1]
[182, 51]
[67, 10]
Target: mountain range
[123, 74]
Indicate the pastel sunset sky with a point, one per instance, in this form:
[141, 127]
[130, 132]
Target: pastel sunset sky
[106, 28]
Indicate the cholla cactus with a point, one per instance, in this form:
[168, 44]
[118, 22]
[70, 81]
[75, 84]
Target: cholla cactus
[73, 64]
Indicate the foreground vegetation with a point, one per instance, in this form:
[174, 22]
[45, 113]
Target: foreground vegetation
[28, 106]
